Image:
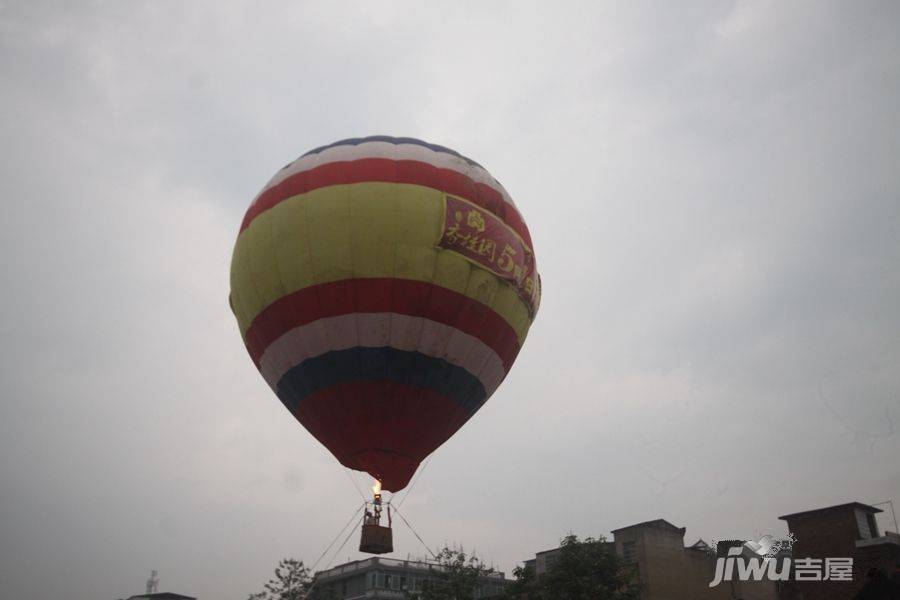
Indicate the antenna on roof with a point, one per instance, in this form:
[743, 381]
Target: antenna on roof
[153, 582]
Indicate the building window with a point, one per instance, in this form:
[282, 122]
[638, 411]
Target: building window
[387, 582]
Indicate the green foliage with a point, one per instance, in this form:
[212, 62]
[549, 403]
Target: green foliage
[523, 585]
[291, 582]
[583, 570]
[457, 580]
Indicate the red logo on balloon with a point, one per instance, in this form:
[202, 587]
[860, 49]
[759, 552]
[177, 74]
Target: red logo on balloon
[487, 241]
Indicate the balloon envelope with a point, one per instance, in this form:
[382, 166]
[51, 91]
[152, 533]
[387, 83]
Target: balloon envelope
[383, 287]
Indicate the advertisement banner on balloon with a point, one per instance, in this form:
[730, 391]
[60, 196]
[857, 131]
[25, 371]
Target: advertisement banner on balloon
[487, 241]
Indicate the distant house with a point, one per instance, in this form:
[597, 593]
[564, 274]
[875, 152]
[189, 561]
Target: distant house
[545, 559]
[380, 578]
[665, 568]
[161, 596]
[845, 530]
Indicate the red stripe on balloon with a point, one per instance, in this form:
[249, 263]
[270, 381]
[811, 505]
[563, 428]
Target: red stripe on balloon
[383, 428]
[391, 171]
[375, 295]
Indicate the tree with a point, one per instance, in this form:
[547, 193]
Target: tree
[291, 582]
[457, 579]
[523, 585]
[583, 570]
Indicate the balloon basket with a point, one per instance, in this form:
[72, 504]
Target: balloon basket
[376, 539]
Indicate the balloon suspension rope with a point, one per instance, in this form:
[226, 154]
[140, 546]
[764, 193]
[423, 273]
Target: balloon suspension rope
[349, 474]
[396, 510]
[341, 532]
[399, 514]
[412, 485]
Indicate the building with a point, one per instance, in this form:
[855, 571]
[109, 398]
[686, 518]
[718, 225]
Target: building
[669, 570]
[545, 559]
[666, 568]
[380, 578]
[842, 531]
[161, 596]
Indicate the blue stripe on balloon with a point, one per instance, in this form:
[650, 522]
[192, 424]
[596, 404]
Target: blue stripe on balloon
[381, 364]
[392, 140]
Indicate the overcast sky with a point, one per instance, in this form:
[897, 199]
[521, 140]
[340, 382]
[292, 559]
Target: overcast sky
[714, 196]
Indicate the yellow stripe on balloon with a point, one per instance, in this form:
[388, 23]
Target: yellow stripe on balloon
[370, 229]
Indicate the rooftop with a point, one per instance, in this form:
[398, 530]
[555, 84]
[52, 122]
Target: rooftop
[835, 508]
[161, 596]
[367, 564]
[700, 545]
[656, 523]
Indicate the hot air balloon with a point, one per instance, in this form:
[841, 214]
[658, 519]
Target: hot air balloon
[383, 287]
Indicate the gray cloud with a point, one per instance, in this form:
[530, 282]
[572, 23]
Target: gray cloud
[713, 197]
